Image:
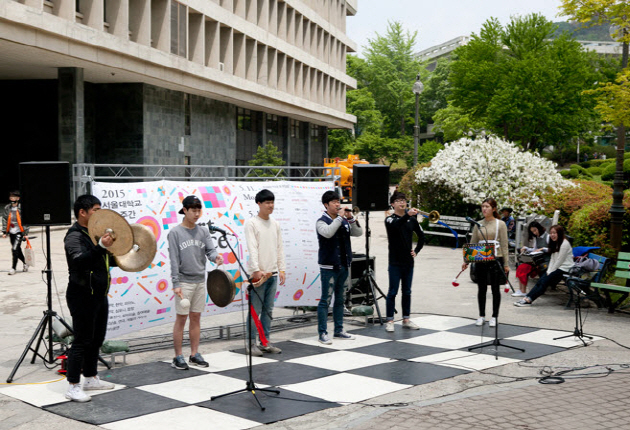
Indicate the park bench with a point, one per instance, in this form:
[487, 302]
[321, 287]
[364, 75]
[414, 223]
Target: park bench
[586, 285]
[457, 223]
[623, 266]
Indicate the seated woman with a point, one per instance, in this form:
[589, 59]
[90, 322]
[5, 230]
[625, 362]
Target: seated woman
[538, 242]
[559, 265]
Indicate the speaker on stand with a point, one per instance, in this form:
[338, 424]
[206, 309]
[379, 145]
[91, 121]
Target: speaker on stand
[45, 201]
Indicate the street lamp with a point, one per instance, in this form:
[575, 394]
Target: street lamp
[417, 90]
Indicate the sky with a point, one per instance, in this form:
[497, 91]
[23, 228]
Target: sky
[438, 21]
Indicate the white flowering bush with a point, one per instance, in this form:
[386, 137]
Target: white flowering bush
[473, 170]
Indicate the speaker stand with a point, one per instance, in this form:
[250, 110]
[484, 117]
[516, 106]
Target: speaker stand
[368, 274]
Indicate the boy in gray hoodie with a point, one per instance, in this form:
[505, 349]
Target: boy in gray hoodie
[189, 245]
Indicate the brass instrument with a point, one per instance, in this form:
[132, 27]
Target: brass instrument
[434, 216]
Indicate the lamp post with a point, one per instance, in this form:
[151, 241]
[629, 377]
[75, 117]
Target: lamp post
[417, 90]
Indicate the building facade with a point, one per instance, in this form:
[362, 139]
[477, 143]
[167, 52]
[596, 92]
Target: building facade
[202, 82]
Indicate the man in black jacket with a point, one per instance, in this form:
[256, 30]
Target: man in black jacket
[88, 284]
[400, 227]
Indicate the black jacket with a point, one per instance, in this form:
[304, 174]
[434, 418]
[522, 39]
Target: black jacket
[88, 264]
[400, 237]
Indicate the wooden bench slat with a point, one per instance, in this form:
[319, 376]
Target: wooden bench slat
[623, 256]
[623, 265]
[622, 274]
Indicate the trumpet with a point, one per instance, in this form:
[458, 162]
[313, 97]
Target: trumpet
[434, 216]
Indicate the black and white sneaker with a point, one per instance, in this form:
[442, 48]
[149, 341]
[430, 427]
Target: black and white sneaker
[271, 349]
[198, 360]
[179, 363]
[523, 303]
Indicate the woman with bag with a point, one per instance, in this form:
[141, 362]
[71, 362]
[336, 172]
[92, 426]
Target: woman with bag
[538, 242]
[12, 225]
[559, 265]
[493, 231]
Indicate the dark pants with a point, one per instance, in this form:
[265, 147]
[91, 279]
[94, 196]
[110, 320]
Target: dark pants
[493, 274]
[399, 275]
[16, 248]
[89, 323]
[548, 280]
[333, 282]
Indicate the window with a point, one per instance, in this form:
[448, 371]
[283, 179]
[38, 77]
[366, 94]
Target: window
[295, 128]
[187, 114]
[178, 29]
[244, 119]
[272, 125]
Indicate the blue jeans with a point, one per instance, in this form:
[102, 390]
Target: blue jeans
[262, 298]
[333, 282]
[550, 279]
[398, 275]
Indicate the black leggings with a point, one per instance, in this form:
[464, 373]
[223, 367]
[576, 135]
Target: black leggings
[16, 248]
[489, 273]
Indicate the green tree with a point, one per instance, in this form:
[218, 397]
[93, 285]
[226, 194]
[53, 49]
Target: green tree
[517, 83]
[391, 71]
[267, 155]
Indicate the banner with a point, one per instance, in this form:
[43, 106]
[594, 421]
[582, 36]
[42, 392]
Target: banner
[145, 299]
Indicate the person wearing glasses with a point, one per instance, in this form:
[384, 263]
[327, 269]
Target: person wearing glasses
[12, 226]
[400, 227]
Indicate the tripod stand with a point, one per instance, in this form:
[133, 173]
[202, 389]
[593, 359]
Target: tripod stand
[577, 332]
[45, 323]
[368, 274]
[250, 385]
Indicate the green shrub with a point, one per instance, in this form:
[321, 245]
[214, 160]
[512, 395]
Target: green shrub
[565, 173]
[595, 171]
[572, 199]
[598, 163]
[573, 173]
[608, 174]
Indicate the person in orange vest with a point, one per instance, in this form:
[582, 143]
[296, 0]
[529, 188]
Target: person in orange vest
[12, 226]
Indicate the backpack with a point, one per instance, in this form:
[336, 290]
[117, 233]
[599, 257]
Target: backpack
[584, 265]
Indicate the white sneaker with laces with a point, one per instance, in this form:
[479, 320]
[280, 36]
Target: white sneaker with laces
[519, 294]
[493, 322]
[76, 394]
[410, 325]
[95, 383]
[389, 326]
[480, 321]
[12, 272]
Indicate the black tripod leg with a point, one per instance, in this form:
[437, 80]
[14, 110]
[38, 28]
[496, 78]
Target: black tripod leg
[577, 331]
[496, 343]
[29, 345]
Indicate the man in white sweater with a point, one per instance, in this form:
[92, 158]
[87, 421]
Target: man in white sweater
[266, 256]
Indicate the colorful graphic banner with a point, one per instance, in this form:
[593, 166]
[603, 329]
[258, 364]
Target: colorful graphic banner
[145, 299]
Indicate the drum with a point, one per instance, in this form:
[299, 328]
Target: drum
[221, 287]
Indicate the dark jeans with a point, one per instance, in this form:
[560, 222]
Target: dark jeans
[333, 282]
[16, 248]
[493, 274]
[548, 280]
[399, 275]
[89, 323]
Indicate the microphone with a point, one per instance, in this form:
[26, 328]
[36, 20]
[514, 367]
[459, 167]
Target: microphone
[214, 228]
[469, 219]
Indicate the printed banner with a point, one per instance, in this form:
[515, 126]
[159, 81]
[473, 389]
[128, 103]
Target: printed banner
[145, 299]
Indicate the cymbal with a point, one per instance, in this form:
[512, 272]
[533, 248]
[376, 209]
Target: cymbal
[106, 220]
[221, 287]
[142, 252]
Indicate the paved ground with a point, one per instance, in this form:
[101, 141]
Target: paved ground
[506, 397]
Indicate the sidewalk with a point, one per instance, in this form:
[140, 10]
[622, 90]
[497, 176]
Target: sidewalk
[495, 399]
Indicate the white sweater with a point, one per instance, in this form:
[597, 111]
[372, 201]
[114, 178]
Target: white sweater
[563, 259]
[264, 243]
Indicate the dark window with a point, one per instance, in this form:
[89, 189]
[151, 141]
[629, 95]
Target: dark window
[178, 28]
[187, 113]
[244, 119]
[295, 128]
[272, 125]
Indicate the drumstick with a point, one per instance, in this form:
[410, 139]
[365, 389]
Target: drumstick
[454, 282]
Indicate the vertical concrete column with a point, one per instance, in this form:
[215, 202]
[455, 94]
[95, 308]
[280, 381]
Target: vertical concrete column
[140, 21]
[65, 9]
[118, 18]
[263, 14]
[261, 67]
[213, 44]
[71, 103]
[308, 144]
[92, 11]
[251, 11]
[196, 38]
[290, 25]
[161, 25]
[273, 17]
[238, 55]
[251, 55]
[282, 21]
[290, 76]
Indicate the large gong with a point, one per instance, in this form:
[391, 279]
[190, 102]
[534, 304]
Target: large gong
[221, 287]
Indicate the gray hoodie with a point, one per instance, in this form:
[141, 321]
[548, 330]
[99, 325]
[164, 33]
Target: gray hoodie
[188, 250]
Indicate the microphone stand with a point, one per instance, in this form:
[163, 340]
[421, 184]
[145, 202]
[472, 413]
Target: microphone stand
[250, 385]
[496, 342]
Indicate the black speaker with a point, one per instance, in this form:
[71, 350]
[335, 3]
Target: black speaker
[370, 187]
[45, 193]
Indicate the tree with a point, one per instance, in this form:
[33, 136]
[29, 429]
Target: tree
[517, 83]
[616, 13]
[391, 71]
[267, 155]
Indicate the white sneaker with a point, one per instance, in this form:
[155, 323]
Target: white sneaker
[389, 326]
[519, 294]
[480, 321]
[25, 268]
[12, 272]
[76, 394]
[493, 322]
[95, 383]
[410, 325]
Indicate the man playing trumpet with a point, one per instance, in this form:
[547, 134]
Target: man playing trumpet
[400, 227]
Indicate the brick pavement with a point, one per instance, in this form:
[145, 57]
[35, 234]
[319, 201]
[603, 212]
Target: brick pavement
[585, 403]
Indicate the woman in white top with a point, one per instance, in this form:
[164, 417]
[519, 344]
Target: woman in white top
[559, 265]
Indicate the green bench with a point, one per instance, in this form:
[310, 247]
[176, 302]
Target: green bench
[623, 271]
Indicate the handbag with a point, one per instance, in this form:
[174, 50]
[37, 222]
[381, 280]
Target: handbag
[29, 254]
[478, 252]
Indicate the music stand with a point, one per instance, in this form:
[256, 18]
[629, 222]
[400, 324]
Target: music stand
[577, 331]
[45, 322]
[250, 385]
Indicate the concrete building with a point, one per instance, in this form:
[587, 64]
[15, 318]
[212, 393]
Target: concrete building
[201, 82]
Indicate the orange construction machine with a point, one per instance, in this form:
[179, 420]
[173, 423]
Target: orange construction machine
[345, 181]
